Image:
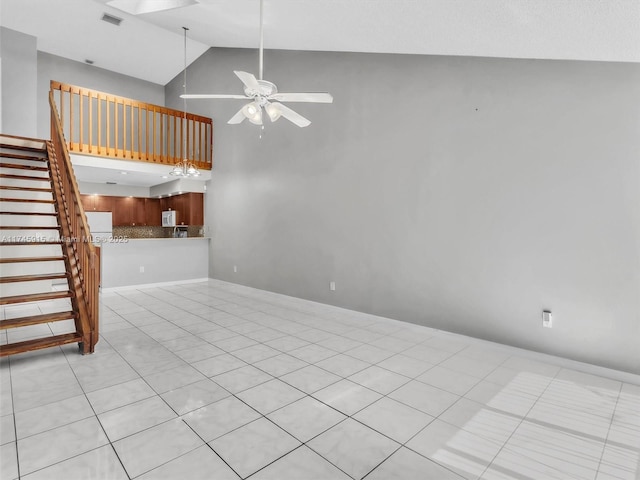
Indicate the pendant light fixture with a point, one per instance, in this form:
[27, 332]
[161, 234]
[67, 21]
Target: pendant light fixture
[185, 168]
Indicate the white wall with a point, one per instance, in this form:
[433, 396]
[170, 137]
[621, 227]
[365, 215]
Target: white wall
[113, 190]
[52, 67]
[19, 73]
[466, 194]
[163, 259]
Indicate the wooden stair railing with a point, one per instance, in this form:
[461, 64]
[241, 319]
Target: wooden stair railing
[82, 257]
[76, 263]
[106, 125]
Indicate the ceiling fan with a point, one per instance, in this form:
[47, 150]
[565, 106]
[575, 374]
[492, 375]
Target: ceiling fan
[138, 7]
[264, 95]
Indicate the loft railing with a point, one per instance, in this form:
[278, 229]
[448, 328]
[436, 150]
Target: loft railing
[82, 257]
[106, 125]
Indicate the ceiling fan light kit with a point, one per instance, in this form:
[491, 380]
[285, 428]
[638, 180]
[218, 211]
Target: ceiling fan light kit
[263, 95]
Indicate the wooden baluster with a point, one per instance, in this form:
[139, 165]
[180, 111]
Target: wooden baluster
[199, 142]
[175, 147]
[146, 131]
[62, 108]
[209, 142]
[192, 125]
[108, 139]
[81, 120]
[99, 124]
[132, 137]
[70, 140]
[168, 157]
[90, 122]
[115, 124]
[139, 130]
[162, 150]
[124, 129]
[154, 134]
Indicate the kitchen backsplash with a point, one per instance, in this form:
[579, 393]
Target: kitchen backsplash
[155, 232]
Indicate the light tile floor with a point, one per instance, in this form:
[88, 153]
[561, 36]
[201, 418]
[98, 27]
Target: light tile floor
[217, 381]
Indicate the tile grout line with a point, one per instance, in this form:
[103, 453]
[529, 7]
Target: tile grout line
[606, 439]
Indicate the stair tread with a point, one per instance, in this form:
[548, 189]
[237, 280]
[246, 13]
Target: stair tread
[35, 242]
[22, 143]
[25, 177]
[24, 167]
[21, 156]
[26, 189]
[25, 200]
[38, 343]
[35, 297]
[55, 258]
[29, 227]
[33, 278]
[36, 319]
[46, 214]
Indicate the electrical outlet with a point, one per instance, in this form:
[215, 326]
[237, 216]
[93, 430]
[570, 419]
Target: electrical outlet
[141, 269]
[235, 269]
[547, 319]
[332, 286]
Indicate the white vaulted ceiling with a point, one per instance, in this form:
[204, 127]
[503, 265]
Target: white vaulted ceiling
[149, 46]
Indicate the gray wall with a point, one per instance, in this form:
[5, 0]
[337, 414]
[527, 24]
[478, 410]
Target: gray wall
[467, 194]
[163, 259]
[52, 67]
[18, 54]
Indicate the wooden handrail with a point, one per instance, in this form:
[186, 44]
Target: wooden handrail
[82, 258]
[127, 129]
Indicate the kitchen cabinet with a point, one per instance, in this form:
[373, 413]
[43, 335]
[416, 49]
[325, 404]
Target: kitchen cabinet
[196, 208]
[97, 203]
[138, 211]
[138, 214]
[122, 212]
[88, 203]
[189, 208]
[104, 203]
[153, 212]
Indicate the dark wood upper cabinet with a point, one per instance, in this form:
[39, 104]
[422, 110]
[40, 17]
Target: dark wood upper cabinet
[122, 212]
[153, 212]
[137, 211]
[88, 202]
[97, 203]
[103, 203]
[196, 208]
[138, 215]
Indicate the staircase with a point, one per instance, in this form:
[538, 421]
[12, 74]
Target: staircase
[49, 269]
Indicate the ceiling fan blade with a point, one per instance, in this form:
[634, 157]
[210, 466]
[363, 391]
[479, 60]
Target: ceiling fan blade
[320, 97]
[137, 7]
[292, 116]
[207, 95]
[237, 118]
[248, 79]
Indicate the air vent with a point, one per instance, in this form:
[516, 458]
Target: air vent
[111, 19]
[111, 183]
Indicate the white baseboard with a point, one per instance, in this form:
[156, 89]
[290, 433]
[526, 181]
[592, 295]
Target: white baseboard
[152, 285]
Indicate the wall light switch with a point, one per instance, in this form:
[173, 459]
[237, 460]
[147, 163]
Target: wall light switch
[547, 319]
[141, 269]
[235, 269]
[332, 286]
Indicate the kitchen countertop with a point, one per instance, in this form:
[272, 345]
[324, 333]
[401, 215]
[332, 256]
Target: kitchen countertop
[167, 238]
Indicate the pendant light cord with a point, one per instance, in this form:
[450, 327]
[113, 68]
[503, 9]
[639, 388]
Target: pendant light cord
[184, 100]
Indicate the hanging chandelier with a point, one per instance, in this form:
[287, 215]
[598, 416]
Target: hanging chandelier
[184, 168]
